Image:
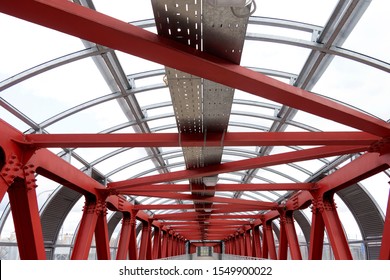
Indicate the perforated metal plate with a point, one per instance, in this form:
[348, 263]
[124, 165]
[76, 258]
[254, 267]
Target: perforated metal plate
[200, 105]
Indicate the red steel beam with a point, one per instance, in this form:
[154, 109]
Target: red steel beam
[102, 239]
[179, 223]
[292, 238]
[215, 230]
[252, 163]
[215, 221]
[93, 26]
[197, 140]
[190, 215]
[221, 187]
[262, 205]
[215, 206]
[25, 214]
[85, 232]
[124, 240]
[357, 170]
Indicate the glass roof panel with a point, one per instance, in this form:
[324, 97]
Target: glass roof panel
[297, 10]
[367, 37]
[338, 83]
[91, 120]
[274, 56]
[48, 44]
[124, 10]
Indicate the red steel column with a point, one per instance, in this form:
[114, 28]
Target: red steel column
[157, 243]
[133, 249]
[317, 231]
[170, 244]
[124, 239]
[236, 244]
[256, 242]
[242, 244]
[385, 247]
[226, 247]
[335, 230]
[101, 234]
[3, 188]
[174, 245]
[283, 244]
[270, 240]
[182, 246]
[292, 238]
[25, 213]
[86, 230]
[164, 245]
[265, 243]
[144, 248]
[229, 248]
[248, 244]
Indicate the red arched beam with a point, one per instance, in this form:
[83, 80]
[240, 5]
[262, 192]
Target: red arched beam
[197, 140]
[93, 26]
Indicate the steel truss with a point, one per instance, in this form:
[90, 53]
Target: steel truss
[24, 156]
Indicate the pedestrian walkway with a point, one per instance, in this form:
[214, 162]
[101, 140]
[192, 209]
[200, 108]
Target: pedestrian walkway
[212, 257]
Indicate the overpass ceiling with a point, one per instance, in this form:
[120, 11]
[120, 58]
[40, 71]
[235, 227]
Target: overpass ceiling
[56, 83]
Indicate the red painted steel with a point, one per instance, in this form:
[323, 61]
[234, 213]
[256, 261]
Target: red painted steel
[270, 240]
[3, 189]
[265, 242]
[124, 239]
[283, 243]
[221, 187]
[25, 214]
[144, 248]
[37, 141]
[156, 243]
[88, 24]
[51, 166]
[316, 232]
[292, 238]
[133, 247]
[170, 245]
[252, 163]
[164, 245]
[256, 244]
[335, 230]
[214, 207]
[259, 204]
[248, 244]
[359, 169]
[86, 230]
[101, 236]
